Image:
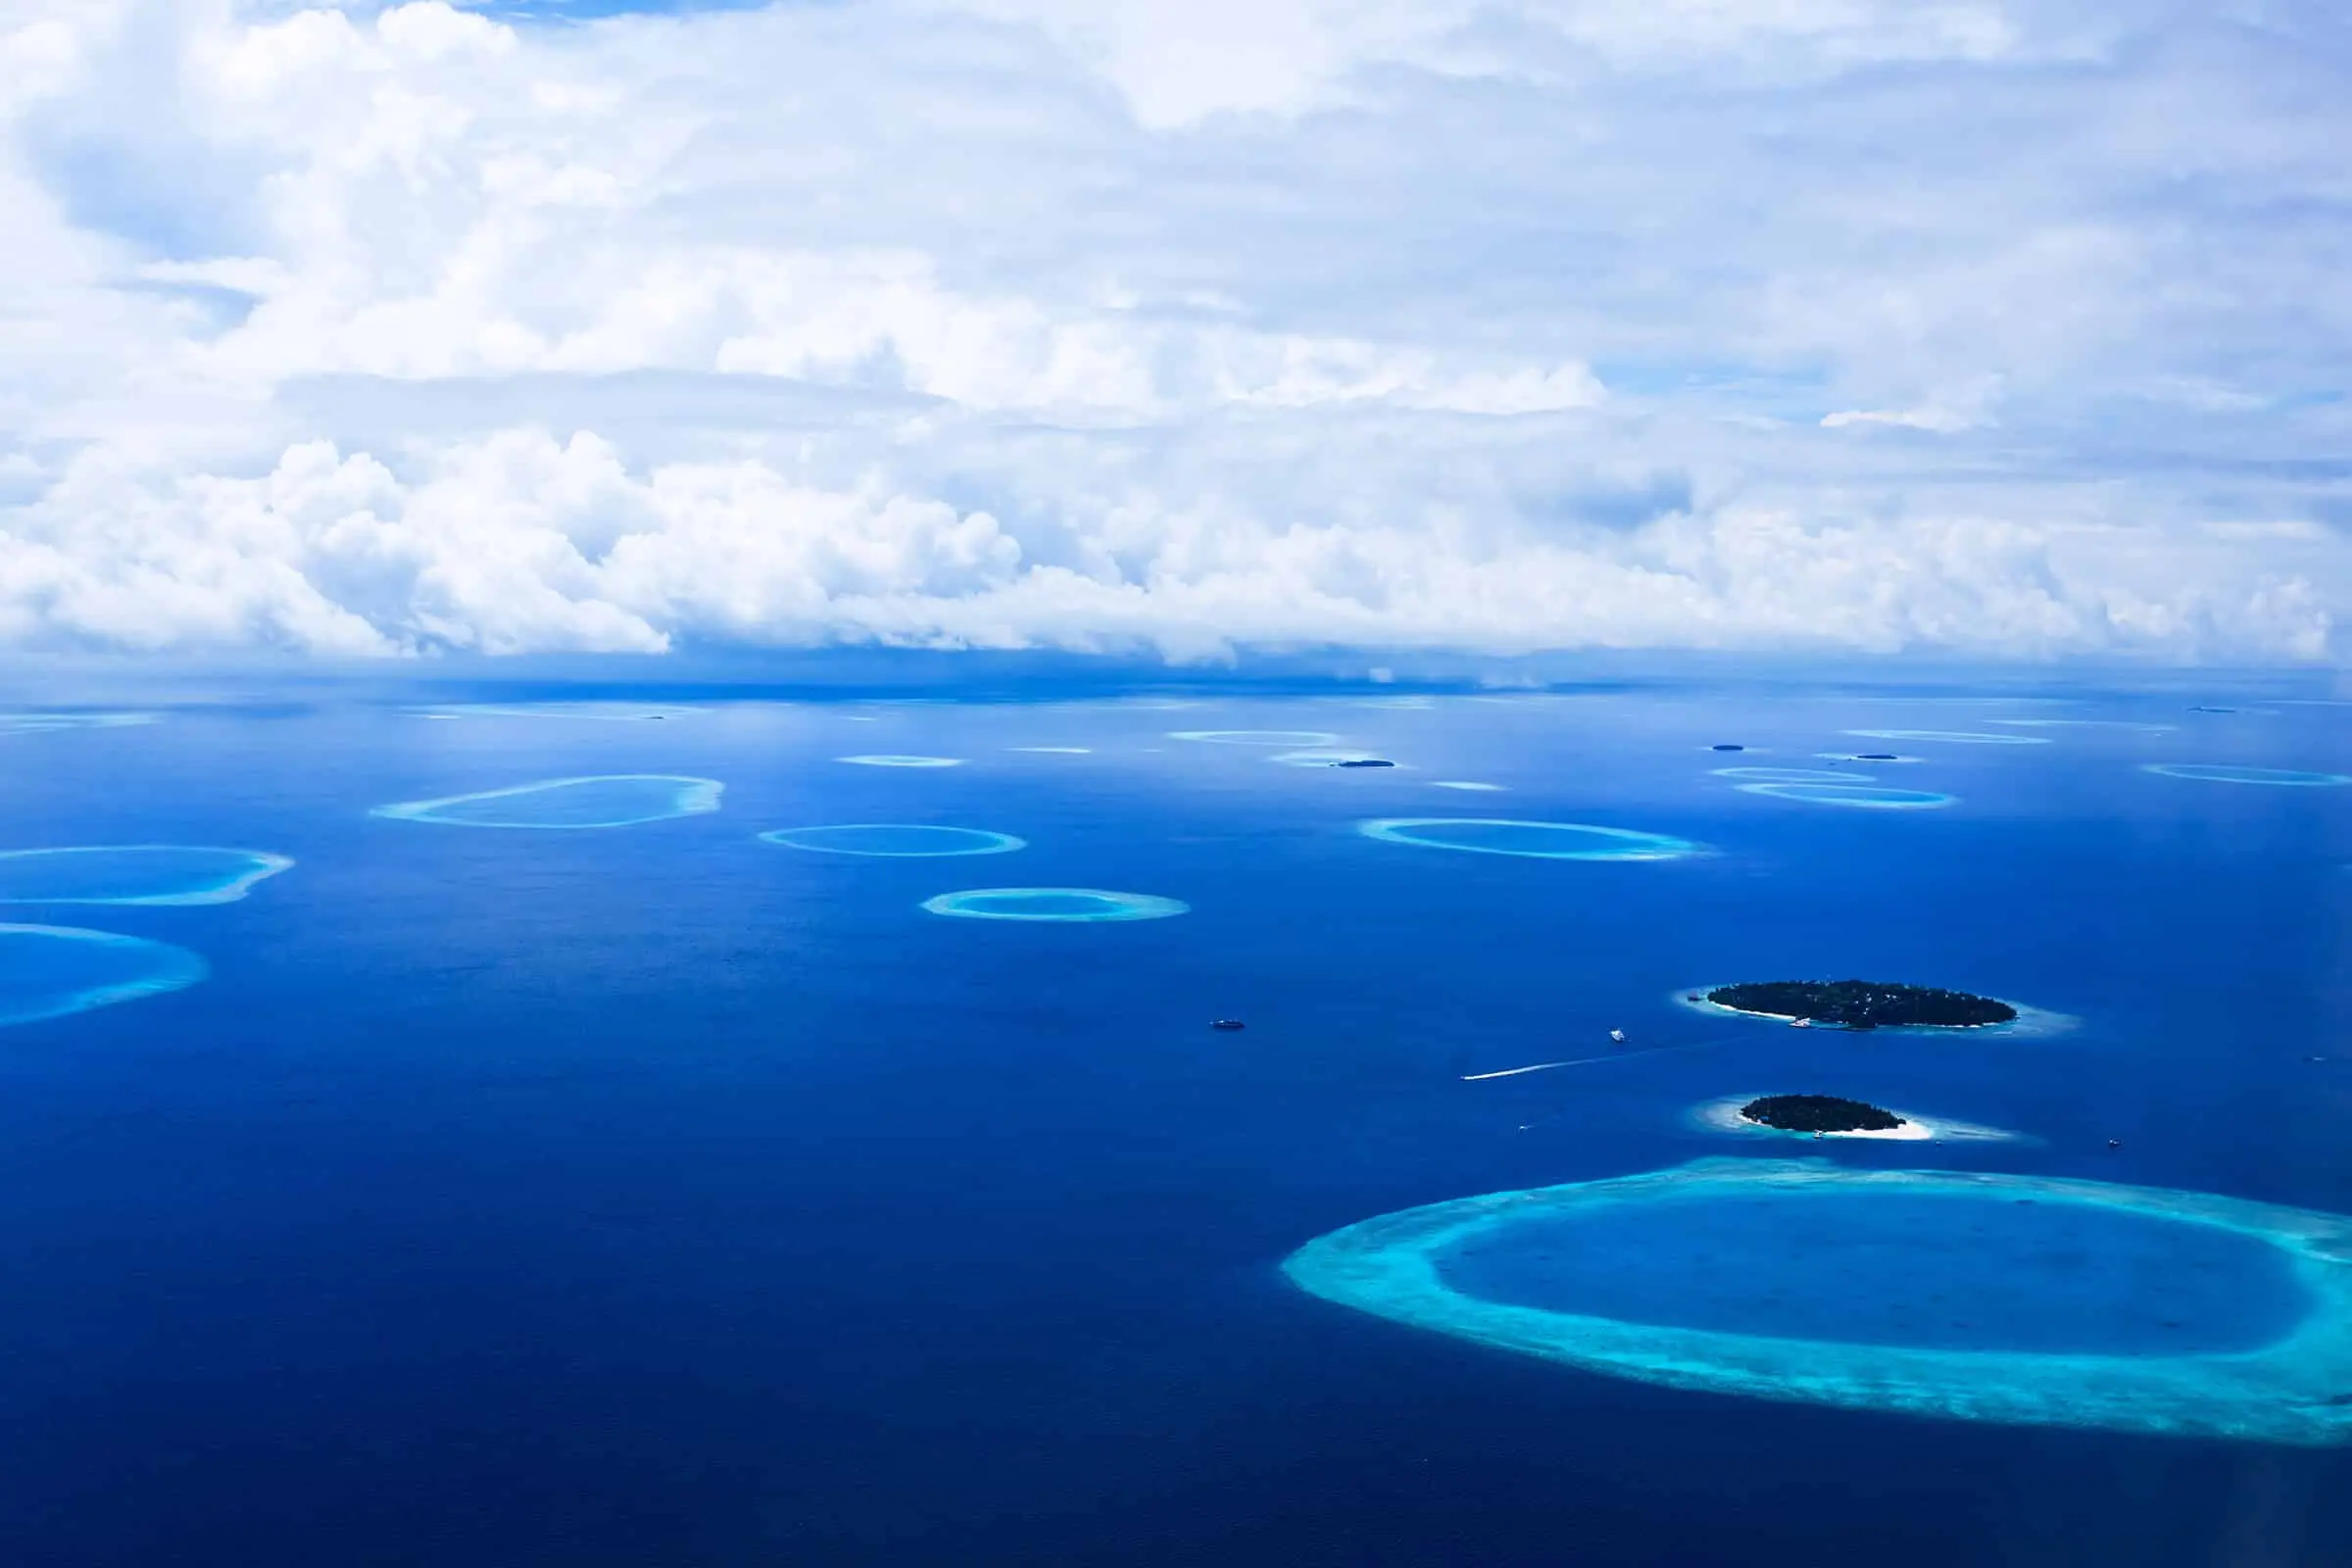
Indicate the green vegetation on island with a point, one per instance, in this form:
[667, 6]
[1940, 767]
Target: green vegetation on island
[1819, 1114]
[1863, 1003]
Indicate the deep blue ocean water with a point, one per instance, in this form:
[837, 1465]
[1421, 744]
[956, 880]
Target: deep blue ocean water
[657, 1195]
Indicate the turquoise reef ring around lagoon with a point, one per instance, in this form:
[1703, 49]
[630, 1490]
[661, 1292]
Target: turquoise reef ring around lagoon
[2217, 773]
[1969, 1295]
[1067, 905]
[886, 759]
[1793, 775]
[607, 799]
[154, 874]
[20, 722]
[1287, 739]
[894, 840]
[1867, 797]
[48, 971]
[1541, 841]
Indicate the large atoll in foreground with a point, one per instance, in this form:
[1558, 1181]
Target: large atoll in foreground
[133, 873]
[894, 840]
[1541, 841]
[612, 799]
[47, 971]
[1972, 1296]
[1063, 904]
[1864, 1003]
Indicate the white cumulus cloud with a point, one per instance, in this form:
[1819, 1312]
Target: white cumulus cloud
[382, 329]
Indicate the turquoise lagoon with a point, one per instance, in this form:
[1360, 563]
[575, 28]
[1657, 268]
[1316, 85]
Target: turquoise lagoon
[894, 840]
[878, 759]
[1069, 904]
[1543, 841]
[614, 799]
[1979, 1296]
[133, 873]
[47, 971]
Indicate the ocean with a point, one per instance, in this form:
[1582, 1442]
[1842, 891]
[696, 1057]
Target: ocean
[654, 1194]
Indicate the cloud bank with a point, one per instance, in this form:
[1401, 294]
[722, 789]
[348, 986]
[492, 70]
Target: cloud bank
[1816, 324]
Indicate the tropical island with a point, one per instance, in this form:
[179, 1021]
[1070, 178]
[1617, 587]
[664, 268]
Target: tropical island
[1864, 1003]
[1819, 1114]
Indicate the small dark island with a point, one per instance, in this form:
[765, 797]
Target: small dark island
[1365, 761]
[1726, 745]
[1819, 1114]
[1876, 757]
[1864, 1003]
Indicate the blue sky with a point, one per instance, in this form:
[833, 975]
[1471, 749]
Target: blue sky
[1832, 326]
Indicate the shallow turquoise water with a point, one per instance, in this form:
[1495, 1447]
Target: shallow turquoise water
[52, 971]
[1544, 841]
[133, 873]
[894, 840]
[1866, 797]
[2217, 774]
[619, 800]
[1996, 1272]
[1053, 903]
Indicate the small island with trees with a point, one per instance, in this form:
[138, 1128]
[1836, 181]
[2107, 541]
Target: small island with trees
[1819, 1114]
[1863, 1003]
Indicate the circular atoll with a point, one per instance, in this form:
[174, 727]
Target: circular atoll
[47, 971]
[1739, 1113]
[2214, 773]
[37, 721]
[133, 873]
[1293, 739]
[614, 800]
[1541, 840]
[1956, 737]
[1865, 797]
[1861, 1003]
[894, 840]
[1969, 1295]
[1063, 904]
[885, 759]
[1793, 775]
[2087, 723]
[1055, 751]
